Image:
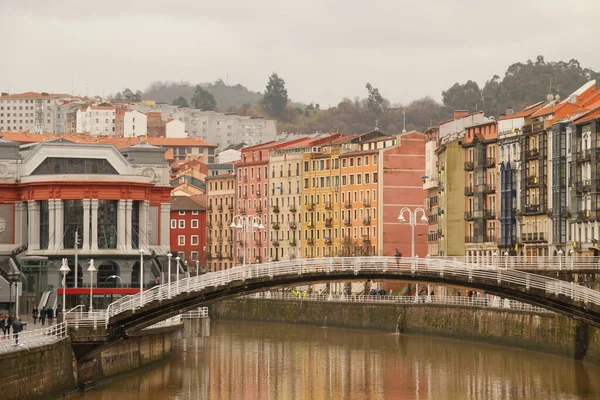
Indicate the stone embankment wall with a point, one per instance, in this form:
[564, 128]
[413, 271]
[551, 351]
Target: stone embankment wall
[550, 333]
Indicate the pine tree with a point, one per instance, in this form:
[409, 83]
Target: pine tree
[276, 96]
[203, 99]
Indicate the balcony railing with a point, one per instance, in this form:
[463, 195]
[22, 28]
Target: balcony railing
[328, 222]
[293, 209]
[490, 188]
[348, 222]
[275, 209]
[469, 165]
[310, 225]
[489, 214]
[259, 208]
[328, 205]
[468, 190]
[243, 211]
[220, 224]
[534, 209]
[366, 239]
[468, 215]
[258, 243]
[367, 203]
[489, 238]
[310, 241]
[293, 242]
[230, 207]
[209, 240]
[209, 208]
[348, 204]
[293, 225]
[220, 239]
[532, 181]
[276, 226]
[258, 193]
[245, 178]
[311, 207]
[367, 221]
[490, 162]
[533, 237]
[328, 241]
[220, 207]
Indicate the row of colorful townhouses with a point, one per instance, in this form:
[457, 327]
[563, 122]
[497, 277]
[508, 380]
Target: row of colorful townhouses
[527, 183]
[331, 196]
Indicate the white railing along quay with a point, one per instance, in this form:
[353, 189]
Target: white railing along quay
[201, 312]
[494, 302]
[568, 262]
[33, 338]
[173, 321]
[444, 268]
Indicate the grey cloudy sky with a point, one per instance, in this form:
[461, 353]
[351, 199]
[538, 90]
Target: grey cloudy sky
[324, 49]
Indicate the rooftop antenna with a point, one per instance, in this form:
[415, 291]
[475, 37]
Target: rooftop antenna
[404, 120]
[376, 124]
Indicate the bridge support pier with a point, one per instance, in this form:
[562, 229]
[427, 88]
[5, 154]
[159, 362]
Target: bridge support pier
[583, 336]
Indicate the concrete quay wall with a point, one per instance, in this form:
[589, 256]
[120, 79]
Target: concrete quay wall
[549, 333]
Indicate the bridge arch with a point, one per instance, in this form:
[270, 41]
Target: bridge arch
[136, 312]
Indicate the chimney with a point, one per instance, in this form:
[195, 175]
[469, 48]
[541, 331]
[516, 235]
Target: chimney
[510, 111]
[460, 113]
[4, 94]
[44, 94]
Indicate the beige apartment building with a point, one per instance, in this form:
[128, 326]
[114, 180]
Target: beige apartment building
[220, 195]
[30, 111]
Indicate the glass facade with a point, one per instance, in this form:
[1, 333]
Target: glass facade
[107, 224]
[44, 224]
[73, 222]
[135, 225]
[66, 166]
[107, 273]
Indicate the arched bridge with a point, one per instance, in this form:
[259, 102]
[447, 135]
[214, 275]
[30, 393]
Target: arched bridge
[132, 313]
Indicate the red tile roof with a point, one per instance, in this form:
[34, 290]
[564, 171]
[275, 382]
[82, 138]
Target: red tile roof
[33, 95]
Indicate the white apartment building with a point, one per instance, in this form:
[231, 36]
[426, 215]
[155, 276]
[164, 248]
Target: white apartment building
[62, 112]
[30, 111]
[135, 124]
[175, 129]
[219, 128]
[96, 120]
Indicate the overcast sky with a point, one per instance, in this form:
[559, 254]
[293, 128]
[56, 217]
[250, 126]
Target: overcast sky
[324, 49]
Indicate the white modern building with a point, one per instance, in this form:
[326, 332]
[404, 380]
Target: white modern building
[175, 129]
[30, 111]
[97, 120]
[135, 124]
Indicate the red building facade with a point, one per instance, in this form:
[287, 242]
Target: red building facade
[188, 231]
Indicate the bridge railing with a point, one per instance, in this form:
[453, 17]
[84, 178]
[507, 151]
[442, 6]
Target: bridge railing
[36, 337]
[564, 262]
[444, 267]
[492, 302]
[173, 321]
[201, 312]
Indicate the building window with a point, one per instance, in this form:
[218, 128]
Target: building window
[44, 224]
[56, 165]
[194, 255]
[107, 224]
[194, 212]
[195, 223]
[181, 212]
[182, 224]
[194, 240]
[73, 210]
[181, 240]
[173, 223]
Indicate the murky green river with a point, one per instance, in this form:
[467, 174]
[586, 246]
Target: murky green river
[274, 361]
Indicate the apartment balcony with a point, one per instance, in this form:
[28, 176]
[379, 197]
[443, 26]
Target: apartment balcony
[532, 209]
[229, 256]
[527, 129]
[366, 239]
[220, 224]
[310, 241]
[469, 215]
[489, 214]
[208, 257]
[258, 243]
[243, 211]
[310, 225]
[209, 208]
[209, 225]
[367, 203]
[367, 221]
[468, 190]
[533, 237]
[230, 207]
[293, 209]
[490, 188]
[245, 178]
[241, 243]
[293, 242]
[489, 238]
[474, 239]
[583, 185]
[328, 241]
[532, 154]
[348, 222]
[328, 222]
[584, 215]
[220, 239]
[293, 225]
[275, 209]
[209, 240]
[469, 165]
[276, 226]
[220, 207]
[348, 204]
[310, 207]
[259, 208]
[441, 187]
[584, 155]
[533, 181]
[490, 162]
[328, 205]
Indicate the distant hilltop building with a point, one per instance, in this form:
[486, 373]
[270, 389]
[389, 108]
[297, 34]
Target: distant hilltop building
[220, 128]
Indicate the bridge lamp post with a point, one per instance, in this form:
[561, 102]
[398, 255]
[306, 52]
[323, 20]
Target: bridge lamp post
[169, 277]
[91, 269]
[141, 277]
[560, 254]
[64, 270]
[412, 220]
[247, 225]
[177, 273]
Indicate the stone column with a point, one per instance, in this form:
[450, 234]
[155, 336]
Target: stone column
[59, 224]
[33, 236]
[94, 224]
[121, 226]
[144, 209]
[51, 225]
[86, 224]
[165, 226]
[128, 224]
[20, 225]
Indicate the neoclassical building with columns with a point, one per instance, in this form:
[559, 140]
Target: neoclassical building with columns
[116, 202]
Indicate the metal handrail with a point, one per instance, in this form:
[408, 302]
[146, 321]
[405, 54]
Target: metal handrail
[491, 302]
[37, 337]
[444, 266]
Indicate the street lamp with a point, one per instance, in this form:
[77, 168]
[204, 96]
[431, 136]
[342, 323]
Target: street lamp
[91, 269]
[197, 268]
[64, 270]
[177, 274]
[412, 220]
[141, 277]
[13, 277]
[169, 277]
[560, 254]
[247, 225]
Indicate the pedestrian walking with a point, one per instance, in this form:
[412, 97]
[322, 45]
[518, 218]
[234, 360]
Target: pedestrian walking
[17, 328]
[8, 323]
[43, 315]
[34, 314]
[3, 324]
[398, 256]
[50, 315]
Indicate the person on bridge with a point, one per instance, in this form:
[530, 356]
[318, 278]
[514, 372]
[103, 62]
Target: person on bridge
[17, 328]
[50, 315]
[3, 324]
[7, 324]
[398, 256]
[43, 313]
[34, 314]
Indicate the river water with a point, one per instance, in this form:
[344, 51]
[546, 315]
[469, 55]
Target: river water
[243, 360]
